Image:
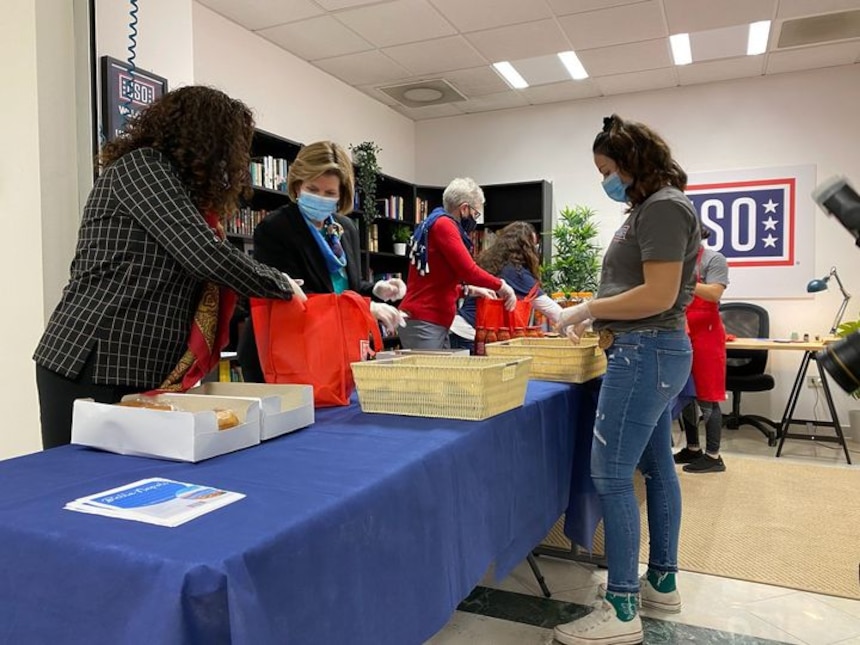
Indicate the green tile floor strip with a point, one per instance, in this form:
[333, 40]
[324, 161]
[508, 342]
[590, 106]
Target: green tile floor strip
[547, 613]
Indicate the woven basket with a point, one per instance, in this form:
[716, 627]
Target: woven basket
[555, 359]
[451, 387]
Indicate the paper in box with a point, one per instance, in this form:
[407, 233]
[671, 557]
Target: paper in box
[284, 408]
[189, 434]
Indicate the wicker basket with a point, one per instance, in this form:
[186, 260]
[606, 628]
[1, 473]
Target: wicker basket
[555, 359]
[451, 387]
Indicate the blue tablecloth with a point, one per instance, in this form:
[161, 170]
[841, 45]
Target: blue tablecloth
[363, 529]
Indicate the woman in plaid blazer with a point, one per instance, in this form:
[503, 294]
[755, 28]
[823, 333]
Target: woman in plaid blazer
[146, 257]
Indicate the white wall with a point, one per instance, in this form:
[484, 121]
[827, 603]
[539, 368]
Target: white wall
[789, 119]
[293, 99]
[20, 215]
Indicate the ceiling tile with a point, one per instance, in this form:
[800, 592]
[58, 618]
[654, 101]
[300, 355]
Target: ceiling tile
[334, 5]
[500, 101]
[651, 79]
[629, 23]
[619, 59]
[322, 37]
[564, 91]
[800, 8]
[727, 42]
[477, 15]
[258, 14]
[565, 7]
[541, 70]
[364, 69]
[721, 70]
[396, 23]
[435, 56]
[813, 57]
[700, 15]
[520, 41]
[478, 81]
[429, 112]
[375, 93]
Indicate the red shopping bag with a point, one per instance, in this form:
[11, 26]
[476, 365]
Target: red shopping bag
[314, 342]
[491, 314]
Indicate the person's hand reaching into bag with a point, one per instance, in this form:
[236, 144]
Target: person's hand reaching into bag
[390, 317]
[296, 286]
[506, 293]
[480, 292]
[390, 290]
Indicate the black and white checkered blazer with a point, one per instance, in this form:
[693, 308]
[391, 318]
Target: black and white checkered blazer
[142, 255]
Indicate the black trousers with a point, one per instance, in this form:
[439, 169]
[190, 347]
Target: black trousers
[713, 419]
[58, 393]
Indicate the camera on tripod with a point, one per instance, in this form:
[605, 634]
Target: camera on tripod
[842, 359]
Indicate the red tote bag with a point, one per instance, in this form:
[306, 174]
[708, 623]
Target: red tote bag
[491, 314]
[314, 342]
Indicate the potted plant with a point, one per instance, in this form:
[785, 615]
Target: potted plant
[575, 265]
[400, 236]
[366, 175]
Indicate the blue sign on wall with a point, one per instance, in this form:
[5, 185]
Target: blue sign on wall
[752, 223]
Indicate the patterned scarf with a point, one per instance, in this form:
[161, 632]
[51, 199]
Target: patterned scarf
[418, 241]
[210, 330]
[328, 239]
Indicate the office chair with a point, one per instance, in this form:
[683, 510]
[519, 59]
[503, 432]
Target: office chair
[745, 367]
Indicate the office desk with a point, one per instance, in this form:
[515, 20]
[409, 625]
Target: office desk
[809, 349]
[362, 529]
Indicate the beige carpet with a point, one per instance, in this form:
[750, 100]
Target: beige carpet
[767, 520]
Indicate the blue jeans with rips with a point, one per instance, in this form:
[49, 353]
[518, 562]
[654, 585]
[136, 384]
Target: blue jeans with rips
[646, 370]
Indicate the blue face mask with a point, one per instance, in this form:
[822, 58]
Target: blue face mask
[615, 188]
[316, 207]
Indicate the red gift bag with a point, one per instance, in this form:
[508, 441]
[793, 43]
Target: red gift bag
[491, 314]
[314, 342]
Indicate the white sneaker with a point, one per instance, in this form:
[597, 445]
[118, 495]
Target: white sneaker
[650, 598]
[601, 627]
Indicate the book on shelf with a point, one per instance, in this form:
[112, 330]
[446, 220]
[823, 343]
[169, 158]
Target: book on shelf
[156, 500]
[390, 207]
[244, 221]
[422, 208]
[269, 172]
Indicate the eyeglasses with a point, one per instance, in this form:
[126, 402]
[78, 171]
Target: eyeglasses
[474, 212]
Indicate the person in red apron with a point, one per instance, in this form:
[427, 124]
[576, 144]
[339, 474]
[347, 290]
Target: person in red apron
[708, 337]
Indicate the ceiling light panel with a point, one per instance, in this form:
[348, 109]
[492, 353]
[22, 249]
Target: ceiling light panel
[511, 75]
[758, 36]
[681, 52]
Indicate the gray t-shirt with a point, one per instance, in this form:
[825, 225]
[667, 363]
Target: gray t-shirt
[664, 228]
[713, 268]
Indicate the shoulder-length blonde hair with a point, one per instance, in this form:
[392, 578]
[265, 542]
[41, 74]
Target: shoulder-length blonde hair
[323, 158]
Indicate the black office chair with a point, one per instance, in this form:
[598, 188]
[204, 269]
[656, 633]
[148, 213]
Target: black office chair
[745, 367]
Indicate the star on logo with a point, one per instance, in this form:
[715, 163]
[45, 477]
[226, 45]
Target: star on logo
[770, 224]
[770, 241]
[770, 206]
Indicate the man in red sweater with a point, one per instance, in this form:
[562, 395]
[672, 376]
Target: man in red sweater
[442, 268]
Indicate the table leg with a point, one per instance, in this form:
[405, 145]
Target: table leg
[791, 404]
[829, 398]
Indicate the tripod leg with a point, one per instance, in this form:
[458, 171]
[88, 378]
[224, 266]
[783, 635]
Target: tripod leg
[538, 575]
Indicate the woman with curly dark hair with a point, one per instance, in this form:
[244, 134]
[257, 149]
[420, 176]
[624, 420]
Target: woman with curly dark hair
[646, 283]
[513, 257]
[153, 280]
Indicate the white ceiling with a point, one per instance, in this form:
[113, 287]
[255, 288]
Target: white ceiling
[623, 44]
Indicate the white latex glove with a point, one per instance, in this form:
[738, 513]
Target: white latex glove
[296, 286]
[506, 293]
[391, 289]
[575, 332]
[480, 292]
[390, 317]
[573, 321]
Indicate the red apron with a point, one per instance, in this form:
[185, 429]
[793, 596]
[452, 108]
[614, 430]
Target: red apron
[708, 337]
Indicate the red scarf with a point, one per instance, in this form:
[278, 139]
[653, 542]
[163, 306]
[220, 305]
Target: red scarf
[210, 329]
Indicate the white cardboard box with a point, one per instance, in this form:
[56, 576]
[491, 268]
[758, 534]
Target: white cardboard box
[188, 435]
[284, 408]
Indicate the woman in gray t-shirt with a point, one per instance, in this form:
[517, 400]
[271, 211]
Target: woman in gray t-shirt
[646, 283]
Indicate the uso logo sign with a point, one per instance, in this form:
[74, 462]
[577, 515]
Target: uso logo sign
[752, 223]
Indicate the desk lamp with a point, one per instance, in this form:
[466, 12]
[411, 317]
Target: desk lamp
[817, 285]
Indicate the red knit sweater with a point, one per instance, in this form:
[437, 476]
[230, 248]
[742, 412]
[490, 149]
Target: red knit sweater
[433, 297]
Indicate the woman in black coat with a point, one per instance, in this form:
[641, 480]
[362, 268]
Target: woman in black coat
[311, 239]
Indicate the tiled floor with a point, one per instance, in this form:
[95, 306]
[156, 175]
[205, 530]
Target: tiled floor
[716, 610]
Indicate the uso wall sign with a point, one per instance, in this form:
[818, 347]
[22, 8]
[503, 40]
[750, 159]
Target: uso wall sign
[762, 220]
[124, 93]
